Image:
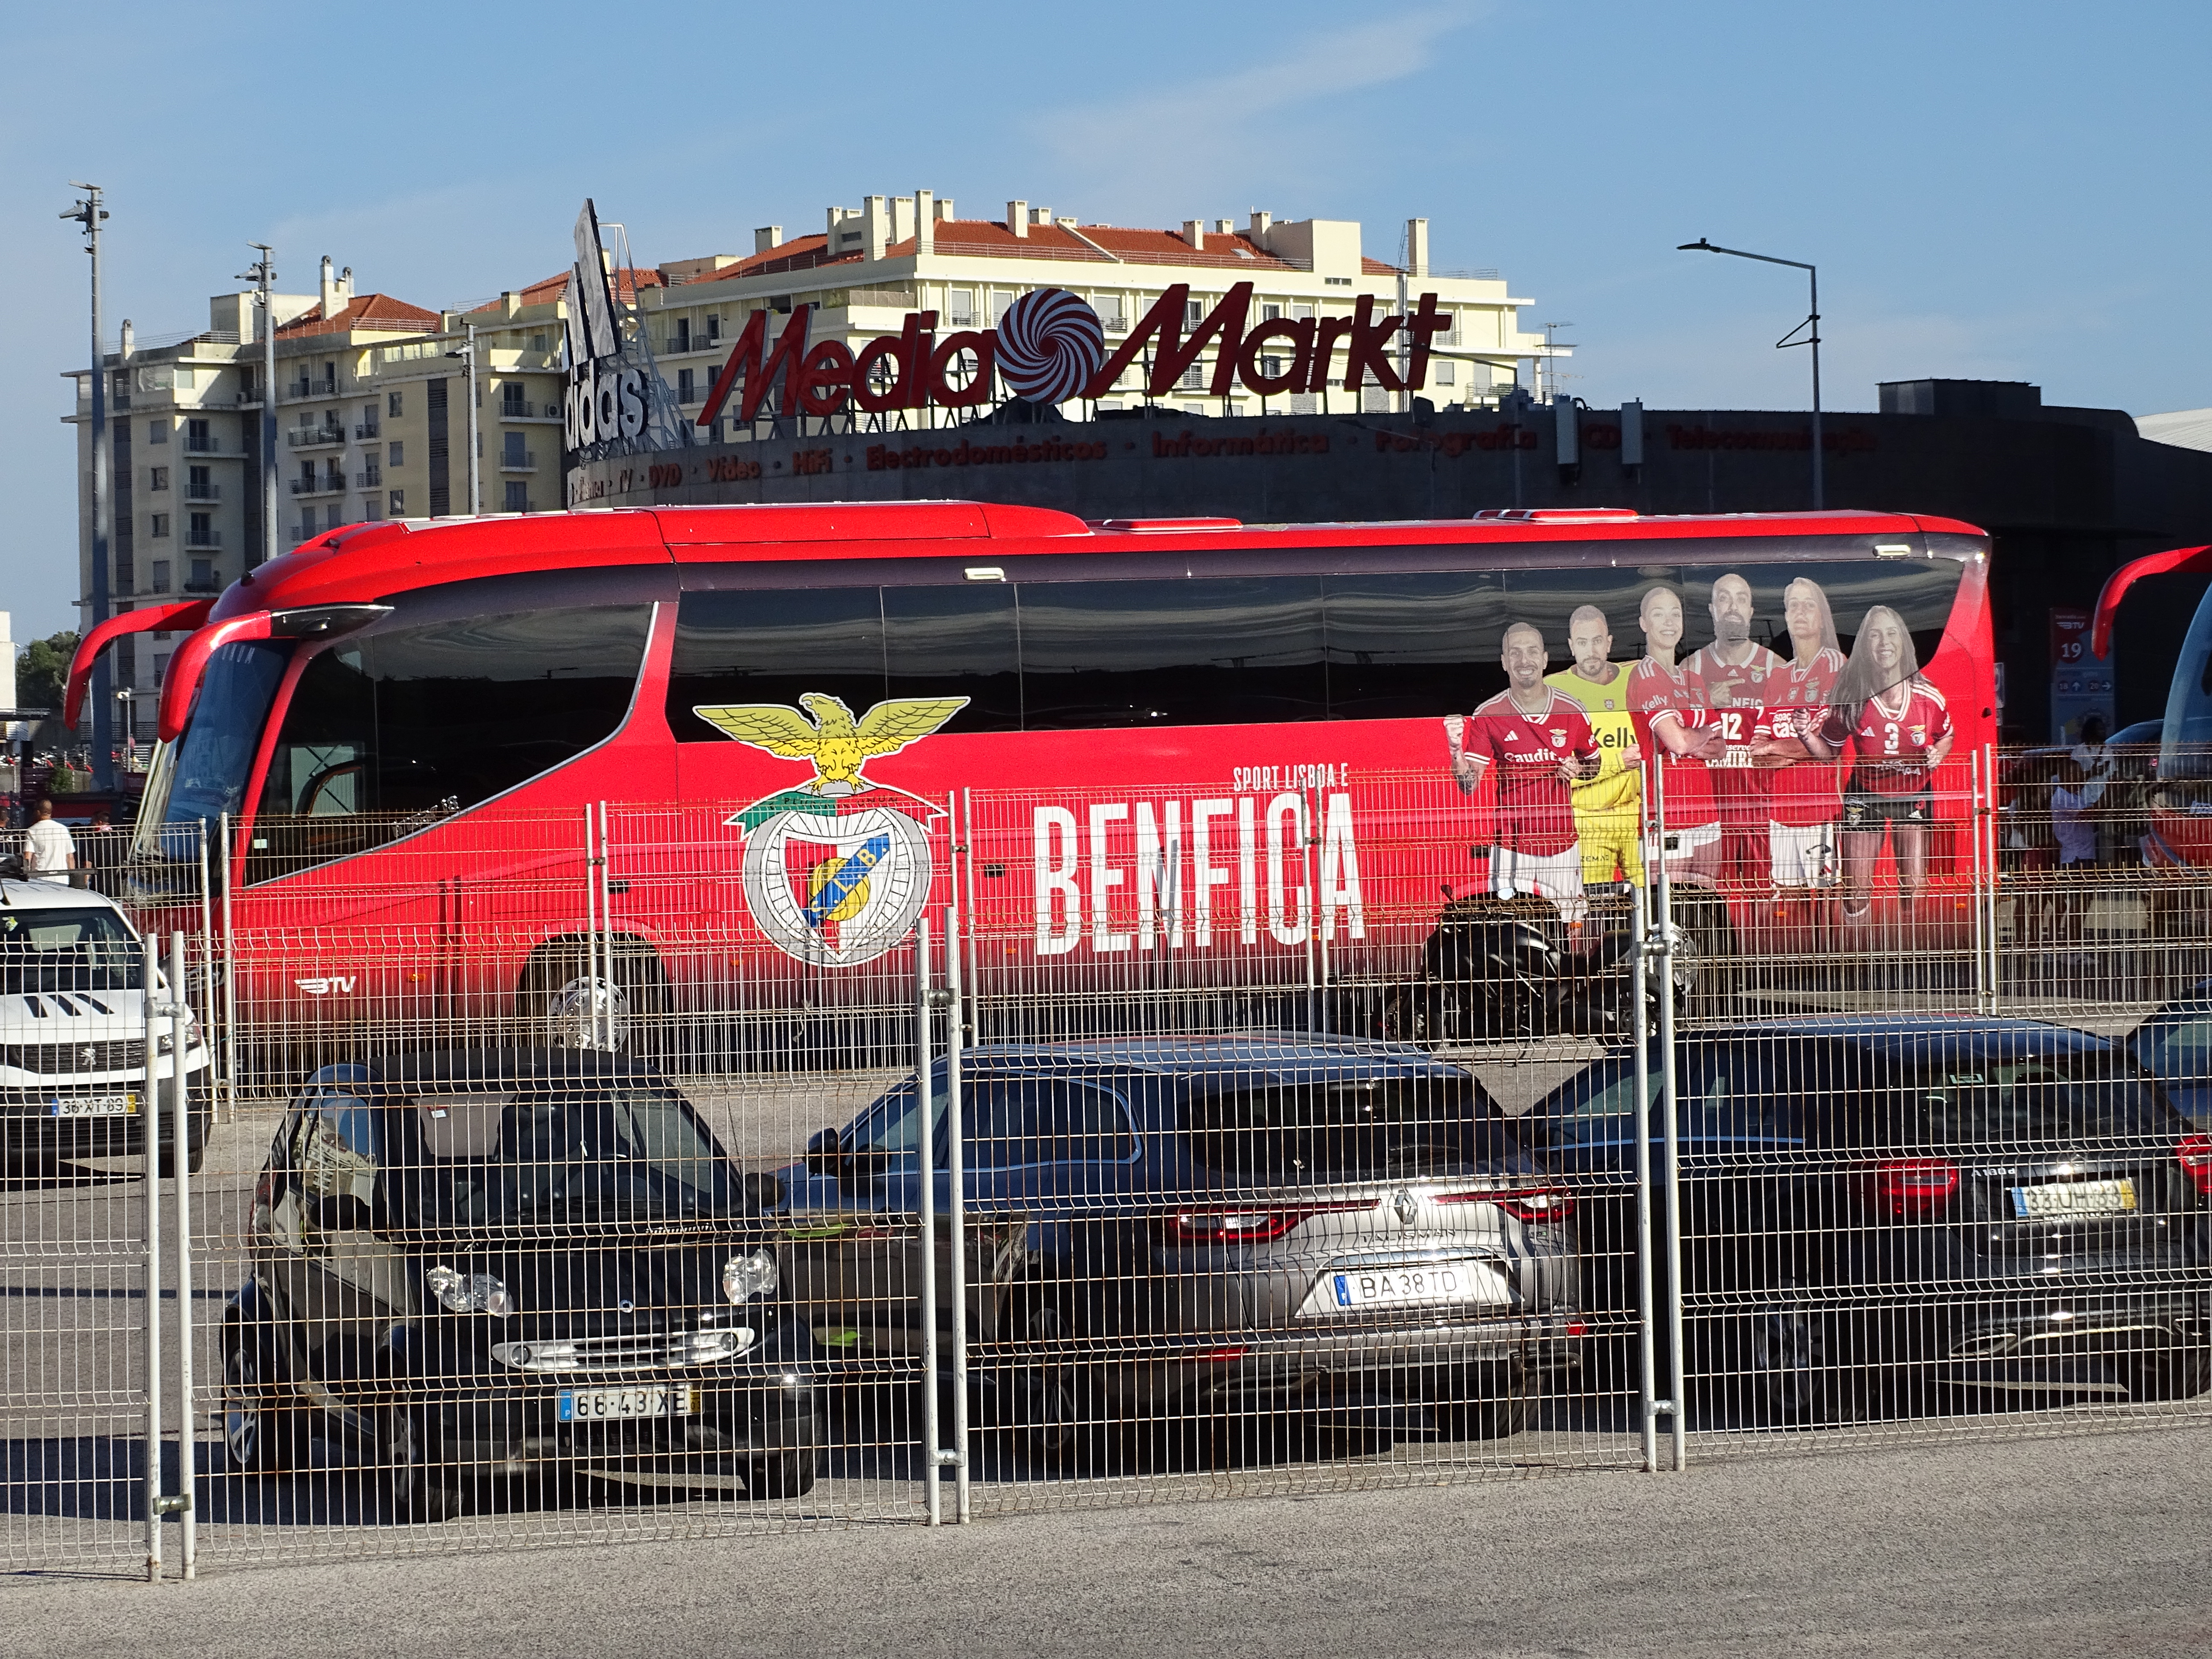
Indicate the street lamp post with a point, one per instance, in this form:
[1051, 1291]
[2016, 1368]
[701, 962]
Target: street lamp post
[262, 274]
[1811, 329]
[467, 354]
[88, 212]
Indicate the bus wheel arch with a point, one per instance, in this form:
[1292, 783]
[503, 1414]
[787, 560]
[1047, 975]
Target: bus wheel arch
[572, 995]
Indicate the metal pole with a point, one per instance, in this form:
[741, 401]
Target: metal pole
[1991, 861]
[1974, 826]
[924, 1134]
[1640, 1028]
[229, 973]
[974, 978]
[476, 457]
[149, 1119]
[89, 212]
[207, 962]
[592, 917]
[179, 1013]
[1819, 473]
[956, 1161]
[607, 929]
[263, 273]
[1675, 1390]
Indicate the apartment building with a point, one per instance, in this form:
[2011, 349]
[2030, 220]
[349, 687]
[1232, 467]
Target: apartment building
[372, 424]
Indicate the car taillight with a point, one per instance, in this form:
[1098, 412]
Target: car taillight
[2195, 1155]
[1247, 1226]
[1914, 1186]
[1535, 1204]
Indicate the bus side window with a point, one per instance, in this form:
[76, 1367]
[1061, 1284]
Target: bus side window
[957, 642]
[1203, 652]
[1413, 644]
[773, 646]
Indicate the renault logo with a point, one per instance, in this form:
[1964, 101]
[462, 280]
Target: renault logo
[1405, 1205]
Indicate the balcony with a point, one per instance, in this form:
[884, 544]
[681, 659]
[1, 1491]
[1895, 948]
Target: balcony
[314, 437]
[202, 492]
[330, 484]
[313, 387]
[205, 584]
[204, 539]
[514, 409]
[367, 428]
[518, 461]
[201, 443]
[372, 479]
[521, 505]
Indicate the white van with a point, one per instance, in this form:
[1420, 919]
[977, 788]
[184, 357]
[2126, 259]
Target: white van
[73, 1031]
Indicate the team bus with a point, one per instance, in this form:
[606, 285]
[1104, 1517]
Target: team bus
[726, 758]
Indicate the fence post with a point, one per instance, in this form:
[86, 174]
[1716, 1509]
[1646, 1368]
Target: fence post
[149, 1119]
[956, 1162]
[207, 962]
[924, 1152]
[179, 1019]
[1640, 1028]
[1676, 1401]
[229, 975]
[1974, 830]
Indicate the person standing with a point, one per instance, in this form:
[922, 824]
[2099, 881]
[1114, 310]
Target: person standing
[1894, 730]
[1732, 676]
[1804, 803]
[1663, 700]
[1540, 745]
[1607, 821]
[49, 851]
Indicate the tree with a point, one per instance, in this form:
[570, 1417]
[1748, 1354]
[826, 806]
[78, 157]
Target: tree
[42, 670]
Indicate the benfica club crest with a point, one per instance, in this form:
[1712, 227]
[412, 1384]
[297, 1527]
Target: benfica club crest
[837, 871]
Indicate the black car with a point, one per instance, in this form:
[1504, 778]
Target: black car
[1877, 1213]
[486, 1265]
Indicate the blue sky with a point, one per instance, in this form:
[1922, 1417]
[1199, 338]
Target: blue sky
[1993, 191]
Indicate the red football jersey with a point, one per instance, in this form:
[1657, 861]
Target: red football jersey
[1732, 694]
[1803, 793]
[1536, 808]
[1658, 693]
[1888, 746]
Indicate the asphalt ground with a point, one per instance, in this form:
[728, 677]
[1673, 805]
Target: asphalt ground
[2087, 1544]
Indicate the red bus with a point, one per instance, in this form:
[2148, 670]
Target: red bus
[1137, 752]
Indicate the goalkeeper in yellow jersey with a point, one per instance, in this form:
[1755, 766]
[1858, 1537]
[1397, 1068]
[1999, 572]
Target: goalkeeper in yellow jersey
[1608, 807]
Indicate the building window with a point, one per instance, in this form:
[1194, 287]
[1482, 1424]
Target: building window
[713, 328]
[199, 484]
[196, 436]
[157, 432]
[960, 307]
[683, 341]
[1443, 373]
[538, 343]
[1271, 368]
[398, 453]
[518, 496]
[685, 394]
[200, 528]
[159, 478]
[161, 575]
[1108, 307]
[511, 402]
[371, 508]
[1271, 313]
[1193, 378]
[513, 453]
[333, 515]
[391, 404]
[1302, 313]
[1193, 313]
[161, 528]
[399, 503]
[203, 574]
[183, 374]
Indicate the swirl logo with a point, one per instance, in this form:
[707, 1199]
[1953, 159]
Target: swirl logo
[1050, 344]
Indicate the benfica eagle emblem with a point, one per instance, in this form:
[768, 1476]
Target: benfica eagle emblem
[836, 870]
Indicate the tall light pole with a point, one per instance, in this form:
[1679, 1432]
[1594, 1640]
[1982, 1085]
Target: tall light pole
[467, 354]
[88, 212]
[1810, 327]
[263, 274]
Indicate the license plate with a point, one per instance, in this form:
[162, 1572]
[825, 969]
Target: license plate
[1432, 1282]
[2058, 1200]
[93, 1106]
[613, 1405]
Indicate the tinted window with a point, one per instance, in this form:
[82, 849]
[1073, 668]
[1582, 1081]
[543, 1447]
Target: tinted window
[2180, 1051]
[957, 642]
[1014, 1122]
[89, 950]
[1189, 652]
[1413, 645]
[1286, 1134]
[387, 732]
[771, 646]
[2008, 1100]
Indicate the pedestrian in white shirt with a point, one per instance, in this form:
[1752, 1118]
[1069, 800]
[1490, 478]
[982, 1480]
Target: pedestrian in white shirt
[49, 851]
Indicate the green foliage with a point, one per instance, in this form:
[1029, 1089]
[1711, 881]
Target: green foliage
[42, 670]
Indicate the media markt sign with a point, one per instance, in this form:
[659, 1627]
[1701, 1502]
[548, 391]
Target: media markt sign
[616, 402]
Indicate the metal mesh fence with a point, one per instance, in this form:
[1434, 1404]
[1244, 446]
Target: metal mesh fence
[662, 1169]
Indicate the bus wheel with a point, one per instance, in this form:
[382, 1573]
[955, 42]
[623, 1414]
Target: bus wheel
[567, 1000]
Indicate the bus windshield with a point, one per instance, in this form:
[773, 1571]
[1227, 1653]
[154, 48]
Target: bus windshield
[204, 773]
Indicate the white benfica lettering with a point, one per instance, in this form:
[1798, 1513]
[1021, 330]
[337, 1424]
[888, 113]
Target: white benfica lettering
[1117, 873]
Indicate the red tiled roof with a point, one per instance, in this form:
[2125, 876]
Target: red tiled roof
[366, 312]
[1376, 267]
[627, 280]
[799, 253]
[990, 239]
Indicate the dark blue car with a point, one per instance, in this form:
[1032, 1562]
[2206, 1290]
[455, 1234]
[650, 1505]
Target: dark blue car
[2174, 1045]
[1875, 1209]
[1193, 1226]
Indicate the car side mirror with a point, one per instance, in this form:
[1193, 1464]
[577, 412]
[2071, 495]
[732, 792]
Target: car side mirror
[762, 1191]
[826, 1158]
[340, 1212]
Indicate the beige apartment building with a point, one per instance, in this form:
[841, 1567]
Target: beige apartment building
[372, 424]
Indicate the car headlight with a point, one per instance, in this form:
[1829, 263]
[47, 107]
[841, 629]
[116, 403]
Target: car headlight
[749, 1275]
[164, 1044]
[460, 1293]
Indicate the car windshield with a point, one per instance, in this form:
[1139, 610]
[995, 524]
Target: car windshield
[88, 950]
[1294, 1131]
[540, 1153]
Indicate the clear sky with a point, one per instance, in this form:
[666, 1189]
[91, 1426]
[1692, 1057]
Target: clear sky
[1998, 191]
